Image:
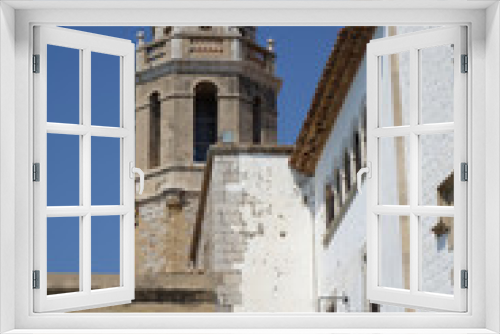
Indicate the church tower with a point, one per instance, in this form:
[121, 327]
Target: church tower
[195, 86]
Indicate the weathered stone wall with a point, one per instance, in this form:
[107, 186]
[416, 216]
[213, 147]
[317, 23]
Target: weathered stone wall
[257, 234]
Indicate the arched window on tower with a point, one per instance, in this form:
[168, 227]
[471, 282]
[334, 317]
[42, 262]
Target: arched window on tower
[205, 120]
[154, 130]
[256, 121]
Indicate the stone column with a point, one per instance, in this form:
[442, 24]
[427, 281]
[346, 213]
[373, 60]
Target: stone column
[236, 49]
[228, 116]
[182, 140]
[270, 60]
[140, 55]
[176, 44]
[168, 131]
[142, 137]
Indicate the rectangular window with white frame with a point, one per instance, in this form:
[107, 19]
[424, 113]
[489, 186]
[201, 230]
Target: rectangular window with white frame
[83, 190]
[358, 193]
[421, 137]
[88, 236]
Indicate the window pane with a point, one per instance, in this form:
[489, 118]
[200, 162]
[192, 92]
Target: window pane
[393, 170]
[436, 166]
[105, 261]
[63, 255]
[436, 242]
[105, 171]
[394, 261]
[105, 90]
[63, 170]
[436, 84]
[63, 85]
[394, 89]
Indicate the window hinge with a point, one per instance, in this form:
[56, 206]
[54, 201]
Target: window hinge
[465, 279]
[36, 63]
[36, 279]
[36, 172]
[465, 64]
[464, 171]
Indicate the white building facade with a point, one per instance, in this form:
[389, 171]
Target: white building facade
[254, 231]
[340, 211]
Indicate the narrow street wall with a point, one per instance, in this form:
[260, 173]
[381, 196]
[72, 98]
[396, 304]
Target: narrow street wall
[256, 231]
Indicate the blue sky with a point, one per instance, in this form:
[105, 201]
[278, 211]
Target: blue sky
[301, 56]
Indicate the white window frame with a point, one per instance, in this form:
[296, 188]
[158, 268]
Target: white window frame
[85, 43]
[413, 43]
[483, 20]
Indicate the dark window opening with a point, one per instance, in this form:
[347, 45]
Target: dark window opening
[347, 171]
[330, 205]
[205, 28]
[357, 151]
[256, 121]
[205, 120]
[154, 130]
[339, 187]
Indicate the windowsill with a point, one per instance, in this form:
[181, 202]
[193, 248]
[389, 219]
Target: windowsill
[485, 305]
[248, 331]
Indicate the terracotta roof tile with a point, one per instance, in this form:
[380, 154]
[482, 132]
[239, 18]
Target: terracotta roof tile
[338, 75]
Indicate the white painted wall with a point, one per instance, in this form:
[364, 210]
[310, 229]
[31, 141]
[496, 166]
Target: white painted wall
[7, 166]
[492, 186]
[261, 234]
[340, 265]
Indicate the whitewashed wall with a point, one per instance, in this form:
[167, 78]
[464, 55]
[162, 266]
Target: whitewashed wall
[340, 265]
[258, 235]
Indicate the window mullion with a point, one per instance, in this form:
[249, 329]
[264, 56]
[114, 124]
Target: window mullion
[85, 251]
[413, 170]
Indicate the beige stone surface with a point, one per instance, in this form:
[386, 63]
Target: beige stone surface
[166, 212]
[156, 308]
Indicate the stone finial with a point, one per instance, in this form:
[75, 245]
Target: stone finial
[139, 35]
[270, 44]
[158, 32]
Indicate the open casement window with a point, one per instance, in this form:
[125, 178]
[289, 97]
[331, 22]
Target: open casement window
[84, 157]
[417, 201]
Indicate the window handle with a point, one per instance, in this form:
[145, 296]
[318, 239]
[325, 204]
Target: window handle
[133, 170]
[359, 176]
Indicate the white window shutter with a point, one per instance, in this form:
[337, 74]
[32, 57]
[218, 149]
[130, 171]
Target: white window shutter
[86, 43]
[397, 250]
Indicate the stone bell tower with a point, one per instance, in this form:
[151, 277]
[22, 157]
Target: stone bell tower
[195, 86]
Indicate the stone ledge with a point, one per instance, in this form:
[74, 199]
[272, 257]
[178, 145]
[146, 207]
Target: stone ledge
[140, 199]
[184, 288]
[236, 149]
[150, 173]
